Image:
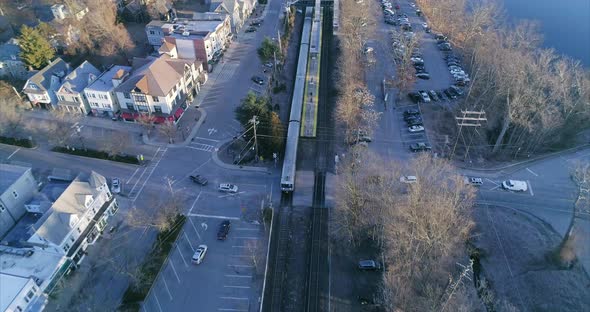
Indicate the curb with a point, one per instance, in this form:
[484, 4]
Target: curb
[220, 163]
[538, 158]
[187, 141]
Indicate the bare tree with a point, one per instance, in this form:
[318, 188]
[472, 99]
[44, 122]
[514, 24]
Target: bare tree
[169, 130]
[62, 127]
[162, 215]
[117, 143]
[146, 121]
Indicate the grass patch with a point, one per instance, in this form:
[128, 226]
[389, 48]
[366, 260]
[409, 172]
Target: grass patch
[137, 292]
[96, 154]
[17, 142]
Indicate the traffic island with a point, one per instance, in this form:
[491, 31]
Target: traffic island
[91, 153]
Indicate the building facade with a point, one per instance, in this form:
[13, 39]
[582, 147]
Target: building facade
[41, 87]
[100, 94]
[11, 65]
[17, 186]
[70, 94]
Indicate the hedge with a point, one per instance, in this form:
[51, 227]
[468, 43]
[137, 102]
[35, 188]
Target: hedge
[96, 154]
[18, 142]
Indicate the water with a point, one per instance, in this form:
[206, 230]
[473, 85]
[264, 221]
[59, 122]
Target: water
[565, 24]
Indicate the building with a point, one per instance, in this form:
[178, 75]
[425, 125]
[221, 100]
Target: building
[11, 65]
[70, 94]
[237, 10]
[61, 221]
[40, 88]
[58, 11]
[205, 38]
[100, 94]
[160, 87]
[17, 186]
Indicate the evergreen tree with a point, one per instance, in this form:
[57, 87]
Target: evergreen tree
[35, 50]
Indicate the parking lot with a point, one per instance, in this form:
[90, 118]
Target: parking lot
[231, 274]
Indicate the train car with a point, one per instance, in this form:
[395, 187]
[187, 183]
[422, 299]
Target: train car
[288, 174]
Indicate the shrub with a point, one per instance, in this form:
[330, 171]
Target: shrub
[17, 142]
[96, 154]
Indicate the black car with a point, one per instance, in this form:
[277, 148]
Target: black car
[250, 29]
[256, 23]
[199, 179]
[424, 76]
[456, 90]
[407, 27]
[441, 96]
[440, 37]
[390, 22]
[415, 97]
[420, 68]
[258, 80]
[420, 147]
[414, 122]
[416, 117]
[450, 94]
[411, 112]
[223, 229]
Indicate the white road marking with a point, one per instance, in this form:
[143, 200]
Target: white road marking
[206, 139]
[149, 175]
[530, 188]
[195, 202]
[158, 302]
[234, 298]
[240, 266]
[246, 229]
[239, 246]
[224, 309]
[131, 177]
[195, 228]
[201, 147]
[246, 237]
[167, 289]
[189, 242]
[531, 171]
[495, 187]
[181, 256]
[494, 182]
[230, 286]
[211, 216]
[174, 270]
[231, 194]
[18, 149]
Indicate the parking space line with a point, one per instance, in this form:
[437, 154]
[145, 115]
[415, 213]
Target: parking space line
[227, 309]
[240, 265]
[229, 195]
[195, 228]
[174, 270]
[246, 229]
[181, 256]
[531, 171]
[167, 289]
[195, 202]
[158, 302]
[530, 188]
[240, 256]
[234, 298]
[232, 286]
[496, 184]
[189, 242]
[240, 246]
[212, 216]
[18, 149]
[238, 276]
[247, 237]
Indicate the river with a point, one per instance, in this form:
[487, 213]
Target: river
[565, 24]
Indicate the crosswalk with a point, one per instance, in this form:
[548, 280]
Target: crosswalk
[142, 175]
[201, 147]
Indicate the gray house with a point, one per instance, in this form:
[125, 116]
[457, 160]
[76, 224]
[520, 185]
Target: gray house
[41, 87]
[17, 187]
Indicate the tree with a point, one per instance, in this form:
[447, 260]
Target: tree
[61, 128]
[116, 144]
[168, 129]
[252, 105]
[268, 49]
[162, 214]
[146, 121]
[276, 133]
[36, 51]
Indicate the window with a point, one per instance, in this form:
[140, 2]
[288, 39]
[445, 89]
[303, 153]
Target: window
[76, 99]
[72, 239]
[155, 98]
[78, 229]
[130, 106]
[67, 247]
[2, 208]
[30, 294]
[139, 98]
[19, 309]
[152, 32]
[158, 109]
[15, 194]
[127, 95]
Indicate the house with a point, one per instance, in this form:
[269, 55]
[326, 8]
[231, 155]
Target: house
[246, 8]
[230, 8]
[70, 94]
[59, 11]
[17, 186]
[160, 87]
[77, 218]
[204, 38]
[100, 94]
[40, 88]
[11, 66]
[62, 221]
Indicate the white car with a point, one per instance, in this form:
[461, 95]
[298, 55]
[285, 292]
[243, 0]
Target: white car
[474, 181]
[416, 129]
[227, 187]
[116, 185]
[425, 97]
[515, 185]
[408, 179]
[199, 254]
[424, 25]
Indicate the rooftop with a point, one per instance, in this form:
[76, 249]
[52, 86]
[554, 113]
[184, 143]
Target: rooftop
[105, 81]
[43, 78]
[9, 174]
[79, 78]
[10, 50]
[11, 286]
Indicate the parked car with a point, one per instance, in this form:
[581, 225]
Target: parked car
[258, 80]
[411, 112]
[449, 92]
[199, 254]
[423, 76]
[457, 90]
[420, 147]
[116, 185]
[433, 95]
[415, 97]
[424, 95]
[414, 129]
[515, 185]
[414, 122]
[408, 179]
[413, 118]
[474, 181]
[445, 46]
[198, 179]
[228, 188]
[223, 231]
[250, 29]
[369, 265]
[440, 37]
[441, 96]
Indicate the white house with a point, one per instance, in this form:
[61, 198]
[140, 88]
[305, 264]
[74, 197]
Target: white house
[40, 88]
[100, 94]
[17, 186]
[10, 63]
[70, 94]
[159, 87]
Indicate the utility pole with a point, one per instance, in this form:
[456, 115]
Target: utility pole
[468, 119]
[254, 123]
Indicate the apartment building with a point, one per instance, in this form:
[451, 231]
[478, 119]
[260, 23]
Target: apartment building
[100, 94]
[41, 87]
[70, 94]
[17, 186]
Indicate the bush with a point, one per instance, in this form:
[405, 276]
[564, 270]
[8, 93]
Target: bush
[17, 142]
[280, 88]
[96, 154]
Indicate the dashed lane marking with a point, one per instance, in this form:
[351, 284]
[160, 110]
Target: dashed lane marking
[18, 149]
[531, 171]
[530, 187]
[212, 216]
